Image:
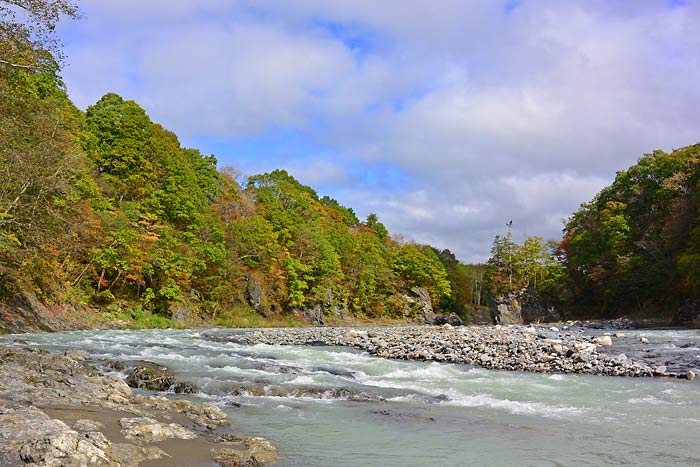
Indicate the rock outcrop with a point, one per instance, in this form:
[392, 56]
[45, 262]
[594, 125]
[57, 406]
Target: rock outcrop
[522, 307]
[255, 296]
[507, 309]
[417, 305]
[60, 411]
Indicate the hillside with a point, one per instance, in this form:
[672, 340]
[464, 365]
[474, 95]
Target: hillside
[104, 216]
[633, 251]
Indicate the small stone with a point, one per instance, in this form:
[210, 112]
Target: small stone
[643, 340]
[690, 375]
[604, 341]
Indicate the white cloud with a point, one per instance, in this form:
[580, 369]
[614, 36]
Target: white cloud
[491, 115]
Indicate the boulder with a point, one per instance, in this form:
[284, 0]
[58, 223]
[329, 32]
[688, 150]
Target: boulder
[250, 452]
[451, 319]
[186, 388]
[149, 430]
[418, 305]
[603, 341]
[313, 315]
[149, 375]
[522, 307]
[182, 313]
[507, 309]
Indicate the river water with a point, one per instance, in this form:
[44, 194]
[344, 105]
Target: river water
[327, 407]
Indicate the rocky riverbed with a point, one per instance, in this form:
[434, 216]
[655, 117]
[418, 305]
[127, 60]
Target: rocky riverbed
[59, 410]
[517, 348]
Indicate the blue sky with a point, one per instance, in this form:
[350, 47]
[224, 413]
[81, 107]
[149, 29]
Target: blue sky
[447, 119]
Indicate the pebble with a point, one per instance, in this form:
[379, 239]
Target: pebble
[515, 348]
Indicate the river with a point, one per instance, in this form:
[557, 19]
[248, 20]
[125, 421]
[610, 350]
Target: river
[326, 406]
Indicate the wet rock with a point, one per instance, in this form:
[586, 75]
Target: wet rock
[185, 388]
[116, 365]
[149, 375]
[249, 452]
[149, 430]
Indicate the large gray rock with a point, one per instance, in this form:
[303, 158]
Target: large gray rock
[522, 307]
[452, 319]
[507, 309]
[148, 430]
[313, 315]
[418, 305]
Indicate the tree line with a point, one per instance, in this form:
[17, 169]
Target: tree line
[104, 207]
[632, 250]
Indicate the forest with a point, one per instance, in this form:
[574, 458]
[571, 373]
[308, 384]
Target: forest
[105, 209]
[634, 250]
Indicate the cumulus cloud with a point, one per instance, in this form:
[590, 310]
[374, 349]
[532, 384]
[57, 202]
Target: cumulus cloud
[447, 120]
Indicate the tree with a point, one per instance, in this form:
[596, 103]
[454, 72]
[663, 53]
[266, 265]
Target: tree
[27, 38]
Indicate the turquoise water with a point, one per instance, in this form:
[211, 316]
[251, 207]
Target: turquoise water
[327, 406]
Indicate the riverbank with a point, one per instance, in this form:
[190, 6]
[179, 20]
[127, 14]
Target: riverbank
[59, 410]
[538, 349]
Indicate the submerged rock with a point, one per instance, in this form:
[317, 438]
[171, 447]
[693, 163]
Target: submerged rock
[149, 375]
[185, 387]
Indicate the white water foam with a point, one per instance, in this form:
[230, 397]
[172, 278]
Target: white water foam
[511, 406]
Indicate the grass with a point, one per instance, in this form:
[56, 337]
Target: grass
[140, 319]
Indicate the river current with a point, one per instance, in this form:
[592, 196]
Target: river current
[329, 406]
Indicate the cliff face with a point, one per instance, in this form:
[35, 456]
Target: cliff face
[522, 307]
[23, 312]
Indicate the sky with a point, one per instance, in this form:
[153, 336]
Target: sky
[447, 118]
